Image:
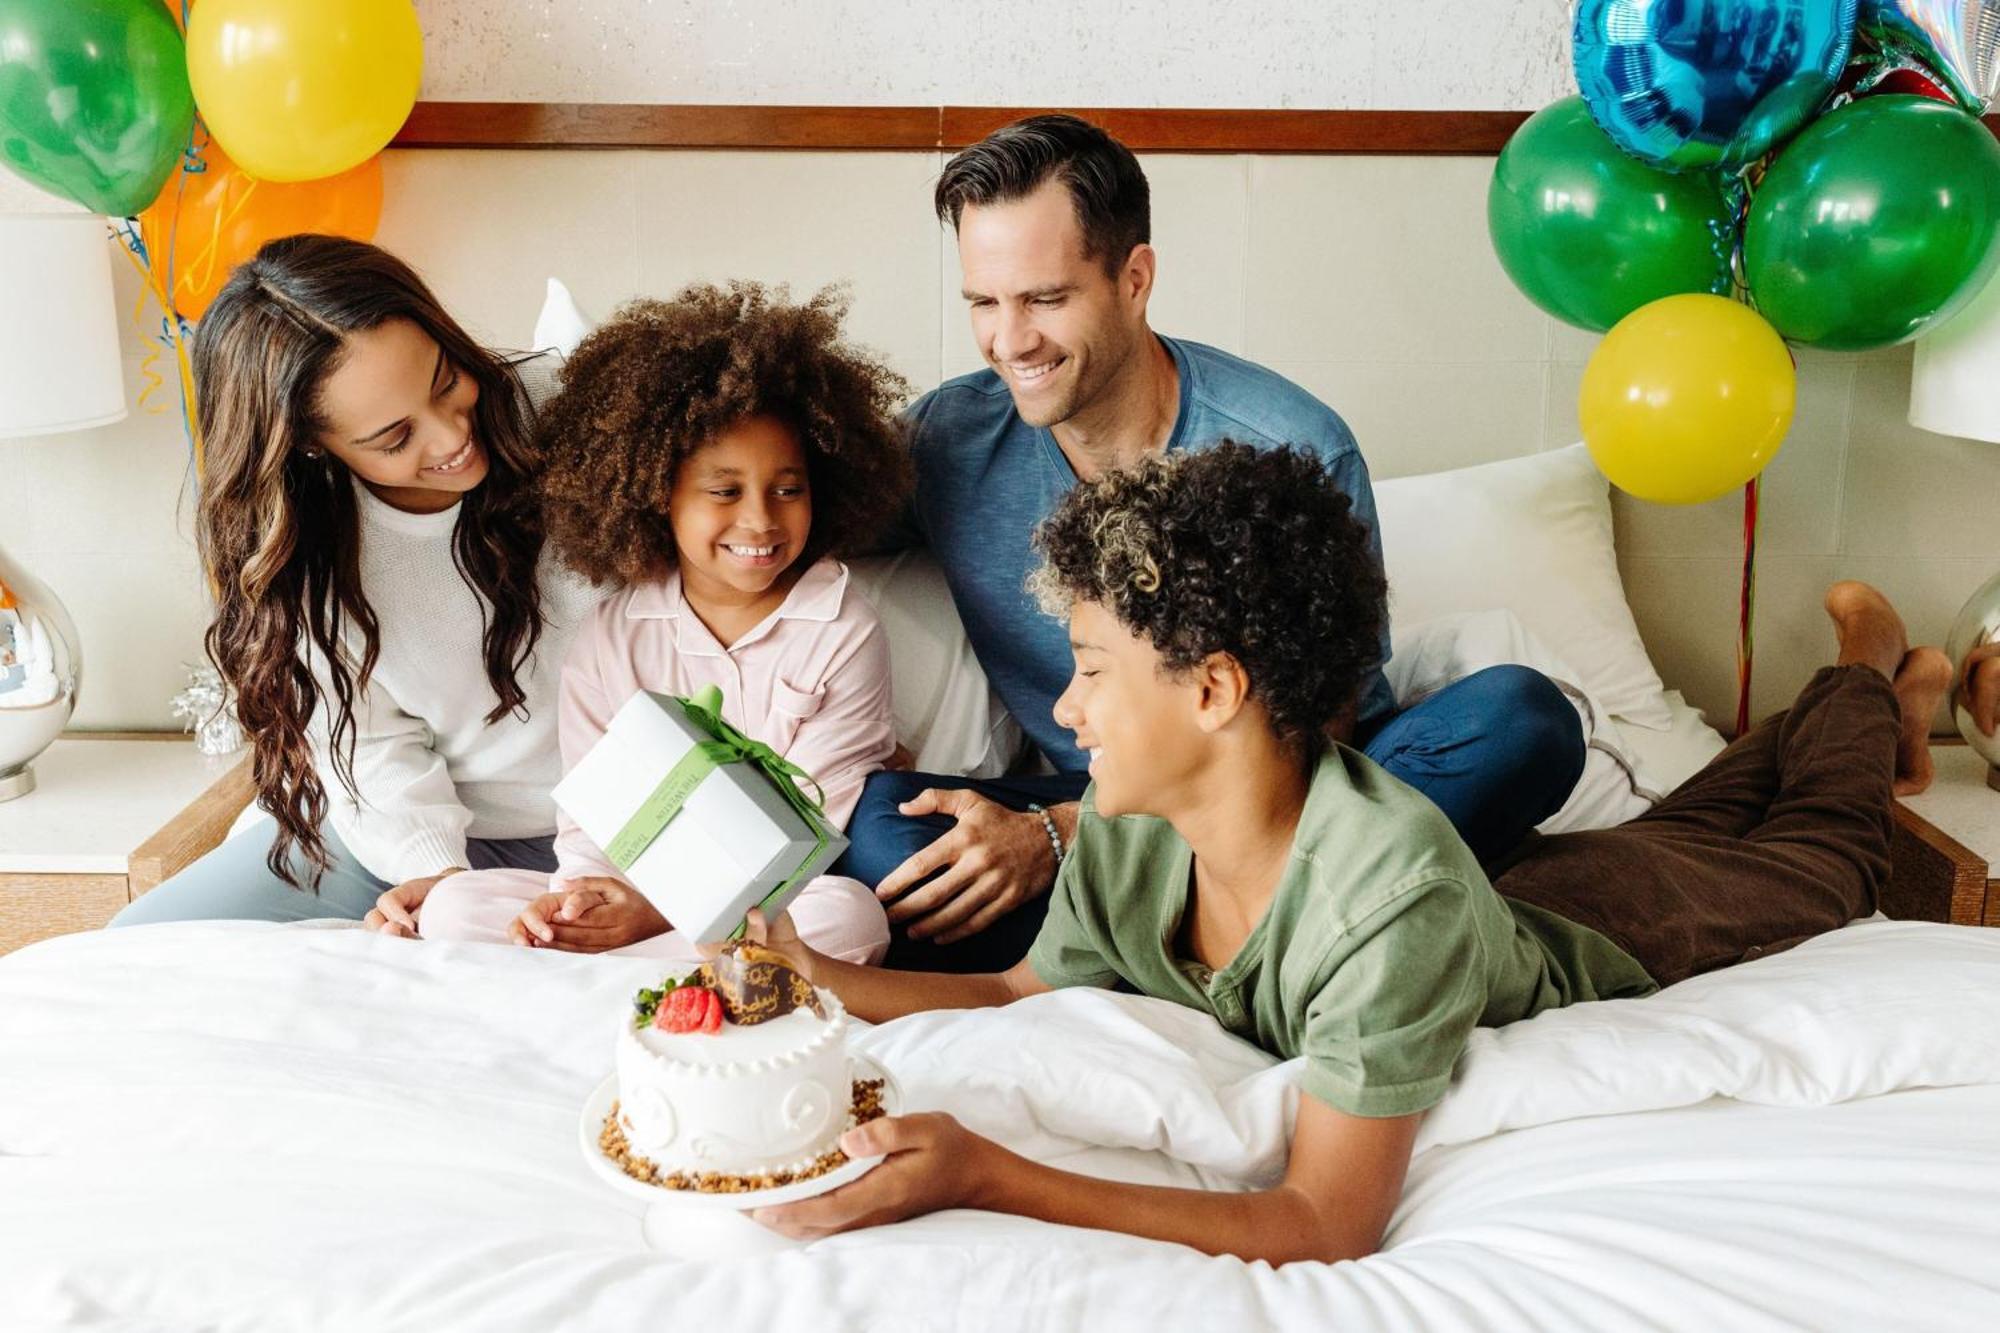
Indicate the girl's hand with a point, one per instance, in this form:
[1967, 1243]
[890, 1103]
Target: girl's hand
[933, 1163]
[395, 912]
[588, 916]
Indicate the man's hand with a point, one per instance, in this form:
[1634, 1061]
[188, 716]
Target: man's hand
[992, 862]
[588, 916]
[396, 911]
[933, 1163]
[1982, 686]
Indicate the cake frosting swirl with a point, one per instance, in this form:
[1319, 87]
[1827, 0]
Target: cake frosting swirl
[766, 1089]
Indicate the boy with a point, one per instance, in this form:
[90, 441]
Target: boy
[1221, 610]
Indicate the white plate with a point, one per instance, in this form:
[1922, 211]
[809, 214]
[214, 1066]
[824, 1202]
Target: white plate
[598, 1105]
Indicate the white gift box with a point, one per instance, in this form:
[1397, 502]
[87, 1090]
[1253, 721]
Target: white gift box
[733, 842]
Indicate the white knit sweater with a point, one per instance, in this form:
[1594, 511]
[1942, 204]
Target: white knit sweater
[429, 770]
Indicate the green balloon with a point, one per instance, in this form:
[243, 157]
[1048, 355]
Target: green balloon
[1878, 221]
[94, 99]
[1590, 234]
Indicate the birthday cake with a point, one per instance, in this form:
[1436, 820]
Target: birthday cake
[735, 1077]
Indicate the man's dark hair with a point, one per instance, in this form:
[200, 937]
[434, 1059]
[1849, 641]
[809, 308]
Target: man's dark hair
[1232, 549]
[1113, 205]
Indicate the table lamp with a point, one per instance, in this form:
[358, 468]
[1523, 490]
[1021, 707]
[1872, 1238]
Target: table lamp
[1955, 390]
[59, 371]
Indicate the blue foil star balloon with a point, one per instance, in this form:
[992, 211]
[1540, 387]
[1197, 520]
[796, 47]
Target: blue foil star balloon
[1688, 84]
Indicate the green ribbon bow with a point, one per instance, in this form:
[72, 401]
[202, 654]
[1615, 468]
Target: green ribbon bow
[726, 745]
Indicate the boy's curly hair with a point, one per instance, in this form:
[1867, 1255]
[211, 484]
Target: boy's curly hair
[661, 379]
[1231, 549]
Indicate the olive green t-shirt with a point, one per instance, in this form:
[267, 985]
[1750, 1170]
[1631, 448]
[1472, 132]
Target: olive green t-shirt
[1382, 948]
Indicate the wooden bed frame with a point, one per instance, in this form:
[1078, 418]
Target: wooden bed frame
[1935, 878]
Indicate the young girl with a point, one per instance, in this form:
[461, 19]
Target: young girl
[714, 452]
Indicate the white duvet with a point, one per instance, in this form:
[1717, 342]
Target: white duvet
[239, 1126]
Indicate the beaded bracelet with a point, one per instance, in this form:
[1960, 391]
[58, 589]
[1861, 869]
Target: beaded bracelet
[1049, 827]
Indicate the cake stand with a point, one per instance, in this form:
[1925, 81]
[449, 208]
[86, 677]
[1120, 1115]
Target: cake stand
[691, 1225]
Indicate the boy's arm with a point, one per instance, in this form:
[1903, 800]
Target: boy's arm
[1340, 1189]
[878, 994]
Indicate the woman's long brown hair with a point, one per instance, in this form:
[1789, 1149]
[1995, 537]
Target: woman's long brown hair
[279, 528]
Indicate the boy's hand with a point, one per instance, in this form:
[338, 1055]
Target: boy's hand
[991, 862]
[933, 1163]
[395, 912]
[780, 936]
[588, 916]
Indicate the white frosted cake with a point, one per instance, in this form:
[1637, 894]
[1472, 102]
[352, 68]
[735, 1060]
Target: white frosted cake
[739, 1070]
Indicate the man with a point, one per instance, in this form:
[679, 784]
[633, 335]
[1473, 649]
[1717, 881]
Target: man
[1053, 218]
[1231, 860]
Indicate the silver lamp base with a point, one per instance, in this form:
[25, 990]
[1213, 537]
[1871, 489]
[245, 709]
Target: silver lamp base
[40, 668]
[1978, 624]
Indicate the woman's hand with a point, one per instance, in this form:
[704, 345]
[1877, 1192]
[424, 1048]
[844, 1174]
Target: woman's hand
[933, 1163]
[395, 912]
[588, 916]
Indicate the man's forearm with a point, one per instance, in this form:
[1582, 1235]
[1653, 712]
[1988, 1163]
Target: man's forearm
[1278, 1225]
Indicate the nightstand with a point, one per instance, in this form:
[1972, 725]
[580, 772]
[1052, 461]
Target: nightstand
[1947, 842]
[110, 817]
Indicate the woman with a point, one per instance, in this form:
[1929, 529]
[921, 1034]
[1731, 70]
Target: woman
[385, 611]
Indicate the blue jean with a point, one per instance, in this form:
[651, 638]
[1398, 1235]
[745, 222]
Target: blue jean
[1498, 752]
[232, 883]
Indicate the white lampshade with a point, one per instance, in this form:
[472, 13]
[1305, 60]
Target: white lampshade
[1955, 387]
[59, 357]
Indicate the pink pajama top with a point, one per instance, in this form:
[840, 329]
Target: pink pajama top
[811, 681]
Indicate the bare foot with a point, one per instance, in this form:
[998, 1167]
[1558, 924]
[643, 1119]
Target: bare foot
[1919, 683]
[1870, 631]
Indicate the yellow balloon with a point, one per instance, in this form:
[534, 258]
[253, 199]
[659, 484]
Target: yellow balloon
[297, 90]
[1687, 398]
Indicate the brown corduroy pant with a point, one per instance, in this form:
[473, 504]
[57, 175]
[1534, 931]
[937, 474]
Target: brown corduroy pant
[1783, 836]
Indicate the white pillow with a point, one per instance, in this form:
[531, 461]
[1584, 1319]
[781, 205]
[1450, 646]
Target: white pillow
[1533, 536]
[946, 713]
[561, 324]
[1428, 655]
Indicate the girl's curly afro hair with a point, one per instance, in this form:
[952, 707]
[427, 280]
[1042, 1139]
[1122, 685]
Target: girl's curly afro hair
[1231, 549]
[662, 378]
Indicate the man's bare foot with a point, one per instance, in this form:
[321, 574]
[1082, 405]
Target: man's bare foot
[1870, 631]
[1920, 684]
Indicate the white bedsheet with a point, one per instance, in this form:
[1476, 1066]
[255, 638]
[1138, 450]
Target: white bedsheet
[241, 1126]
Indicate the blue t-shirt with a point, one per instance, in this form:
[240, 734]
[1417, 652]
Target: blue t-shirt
[985, 479]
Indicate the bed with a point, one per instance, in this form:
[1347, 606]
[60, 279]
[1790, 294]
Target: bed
[241, 1126]
[245, 1126]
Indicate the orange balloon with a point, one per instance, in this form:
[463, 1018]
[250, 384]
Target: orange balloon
[208, 220]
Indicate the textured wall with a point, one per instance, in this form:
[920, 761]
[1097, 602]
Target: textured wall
[1473, 55]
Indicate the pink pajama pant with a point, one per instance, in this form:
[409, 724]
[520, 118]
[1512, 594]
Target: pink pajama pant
[835, 915]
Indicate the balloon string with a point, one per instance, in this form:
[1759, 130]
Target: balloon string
[1746, 644]
[148, 367]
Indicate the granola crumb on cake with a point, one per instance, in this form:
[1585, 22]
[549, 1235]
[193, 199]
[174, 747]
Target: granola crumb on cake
[611, 1142]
